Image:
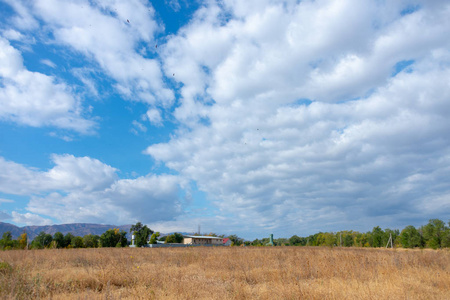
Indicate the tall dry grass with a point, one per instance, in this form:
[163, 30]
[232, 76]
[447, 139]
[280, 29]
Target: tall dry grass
[225, 273]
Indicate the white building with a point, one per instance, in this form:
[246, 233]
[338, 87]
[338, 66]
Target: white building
[202, 240]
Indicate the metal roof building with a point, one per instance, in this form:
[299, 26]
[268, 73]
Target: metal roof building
[202, 240]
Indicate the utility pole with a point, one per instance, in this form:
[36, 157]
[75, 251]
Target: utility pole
[390, 241]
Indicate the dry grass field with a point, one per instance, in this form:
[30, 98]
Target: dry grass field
[225, 273]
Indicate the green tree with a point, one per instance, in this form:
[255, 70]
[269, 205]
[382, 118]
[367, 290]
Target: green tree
[264, 241]
[433, 233]
[174, 238]
[6, 242]
[327, 239]
[154, 238]
[347, 241]
[58, 238]
[348, 238]
[280, 242]
[312, 239]
[42, 240]
[376, 237]
[361, 240]
[410, 237]
[77, 242]
[256, 242]
[295, 240]
[91, 240]
[68, 240]
[113, 238]
[446, 237]
[141, 233]
[235, 240]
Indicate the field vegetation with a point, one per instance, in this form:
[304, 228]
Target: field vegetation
[225, 273]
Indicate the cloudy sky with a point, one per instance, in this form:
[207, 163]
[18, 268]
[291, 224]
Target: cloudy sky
[246, 117]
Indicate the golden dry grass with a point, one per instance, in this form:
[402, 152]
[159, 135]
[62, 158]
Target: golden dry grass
[225, 273]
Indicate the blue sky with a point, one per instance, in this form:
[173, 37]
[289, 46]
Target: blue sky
[244, 117]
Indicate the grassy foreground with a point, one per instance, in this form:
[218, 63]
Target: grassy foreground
[225, 273]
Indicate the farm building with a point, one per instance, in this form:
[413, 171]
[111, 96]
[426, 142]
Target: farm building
[226, 242]
[202, 240]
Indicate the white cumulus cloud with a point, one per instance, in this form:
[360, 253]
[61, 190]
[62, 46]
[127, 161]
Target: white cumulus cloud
[118, 36]
[30, 219]
[35, 99]
[83, 189]
[296, 122]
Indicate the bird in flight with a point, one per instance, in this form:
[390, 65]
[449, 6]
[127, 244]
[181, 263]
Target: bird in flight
[128, 21]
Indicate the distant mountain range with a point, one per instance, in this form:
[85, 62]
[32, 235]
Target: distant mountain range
[77, 229]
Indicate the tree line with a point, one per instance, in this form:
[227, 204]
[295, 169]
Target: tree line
[435, 235]
[111, 238]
